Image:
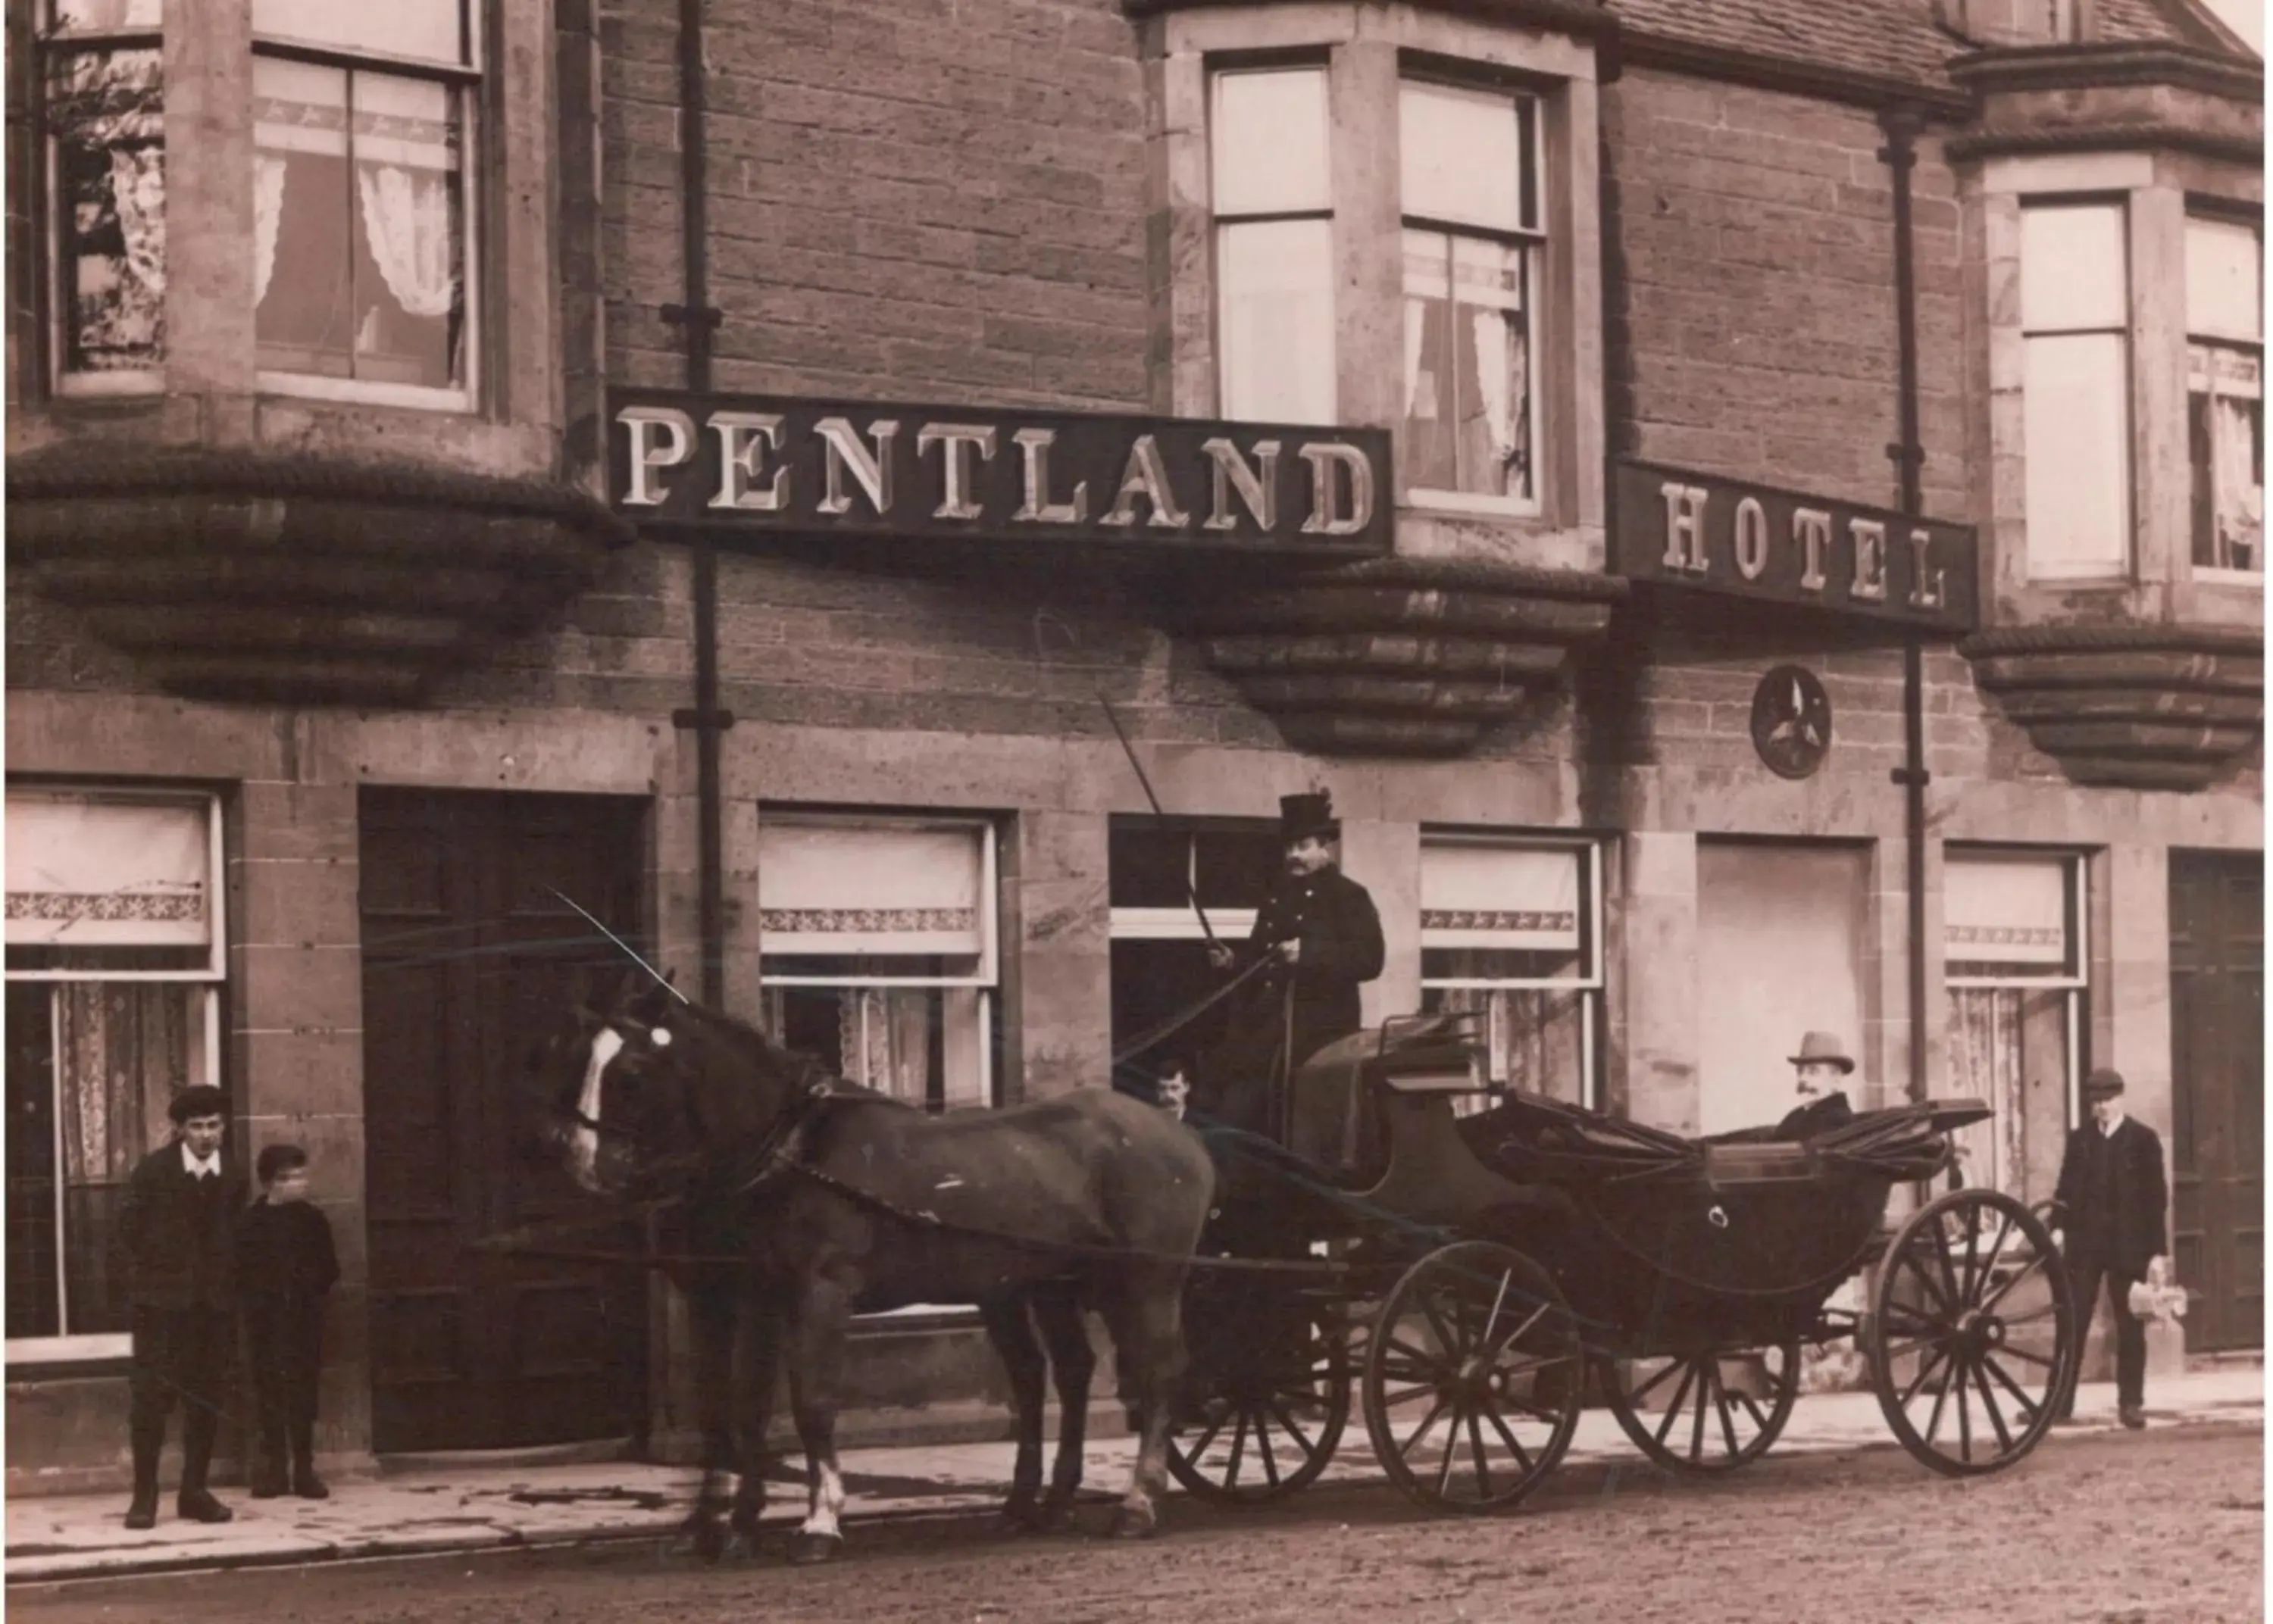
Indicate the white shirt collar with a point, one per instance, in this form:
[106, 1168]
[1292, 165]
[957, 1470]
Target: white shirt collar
[210, 1168]
[2113, 1122]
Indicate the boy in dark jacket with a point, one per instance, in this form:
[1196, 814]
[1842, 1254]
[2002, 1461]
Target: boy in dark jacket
[286, 1266]
[175, 1229]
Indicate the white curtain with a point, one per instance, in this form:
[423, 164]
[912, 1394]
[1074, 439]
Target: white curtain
[268, 171]
[1488, 330]
[406, 215]
[137, 193]
[1416, 322]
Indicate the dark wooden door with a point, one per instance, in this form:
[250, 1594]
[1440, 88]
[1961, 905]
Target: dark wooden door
[469, 959]
[2217, 1058]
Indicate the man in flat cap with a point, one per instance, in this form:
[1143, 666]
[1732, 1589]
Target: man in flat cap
[177, 1238]
[1821, 1066]
[1319, 929]
[2112, 1200]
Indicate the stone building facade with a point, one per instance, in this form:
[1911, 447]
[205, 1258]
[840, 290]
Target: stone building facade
[336, 653]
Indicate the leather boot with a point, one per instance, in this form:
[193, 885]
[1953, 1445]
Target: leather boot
[195, 1501]
[305, 1483]
[267, 1477]
[142, 1510]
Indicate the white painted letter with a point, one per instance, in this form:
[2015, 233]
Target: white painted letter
[1923, 594]
[1145, 476]
[1810, 528]
[1685, 528]
[1257, 487]
[956, 440]
[846, 451]
[1323, 460]
[1038, 508]
[1751, 538]
[1870, 538]
[678, 433]
[743, 438]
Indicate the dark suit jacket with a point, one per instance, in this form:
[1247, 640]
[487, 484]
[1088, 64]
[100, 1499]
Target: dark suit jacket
[177, 1235]
[1816, 1117]
[2136, 1232]
[1334, 919]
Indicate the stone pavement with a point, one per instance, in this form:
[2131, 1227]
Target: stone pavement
[461, 1508]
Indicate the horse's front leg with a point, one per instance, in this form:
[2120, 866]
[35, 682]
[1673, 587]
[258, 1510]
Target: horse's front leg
[757, 1363]
[1153, 1352]
[710, 1321]
[1013, 1339]
[816, 1364]
[1073, 1362]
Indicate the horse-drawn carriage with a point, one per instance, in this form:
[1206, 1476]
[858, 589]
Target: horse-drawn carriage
[1472, 1278]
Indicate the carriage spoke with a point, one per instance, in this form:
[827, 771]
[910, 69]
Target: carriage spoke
[1759, 1416]
[1200, 1445]
[1455, 1347]
[1238, 1446]
[1402, 1394]
[1451, 1453]
[1951, 1295]
[1294, 1427]
[1413, 1442]
[1476, 1449]
[1925, 1370]
[1696, 1427]
[1424, 1363]
[1262, 1448]
[1972, 1255]
[1515, 1446]
[1727, 1416]
[2029, 1406]
[1903, 1317]
[2005, 1290]
[1653, 1384]
[1673, 1409]
[2029, 1354]
[1997, 1247]
[1989, 1407]
[1941, 1398]
[1491, 1321]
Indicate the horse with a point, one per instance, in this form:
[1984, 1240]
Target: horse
[836, 1199]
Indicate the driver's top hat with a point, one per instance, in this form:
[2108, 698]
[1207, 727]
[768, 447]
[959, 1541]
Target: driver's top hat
[1302, 817]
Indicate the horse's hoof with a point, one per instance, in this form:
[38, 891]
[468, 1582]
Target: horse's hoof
[806, 1549]
[1018, 1519]
[1127, 1525]
[742, 1546]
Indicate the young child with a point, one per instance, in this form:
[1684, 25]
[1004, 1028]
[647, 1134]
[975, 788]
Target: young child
[286, 1265]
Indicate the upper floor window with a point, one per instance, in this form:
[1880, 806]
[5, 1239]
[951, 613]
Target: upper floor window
[2075, 388]
[1469, 194]
[2226, 393]
[103, 105]
[363, 196]
[1272, 193]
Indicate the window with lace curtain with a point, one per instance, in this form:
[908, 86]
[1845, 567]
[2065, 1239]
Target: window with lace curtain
[1510, 932]
[102, 111]
[2014, 969]
[1470, 197]
[114, 968]
[876, 937]
[2226, 393]
[364, 261]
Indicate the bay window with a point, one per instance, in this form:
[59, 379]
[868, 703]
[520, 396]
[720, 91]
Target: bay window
[114, 961]
[1470, 199]
[2226, 393]
[362, 193]
[2075, 388]
[1272, 198]
[103, 117]
[877, 945]
[1509, 930]
[2014, 968]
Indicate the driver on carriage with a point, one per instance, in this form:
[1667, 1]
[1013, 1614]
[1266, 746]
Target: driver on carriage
[1321, 929]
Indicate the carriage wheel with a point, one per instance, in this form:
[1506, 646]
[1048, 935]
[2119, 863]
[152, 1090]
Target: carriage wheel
[1973, 1334]
[1267, 1423]
[1690, 1416]
[1474, 1380]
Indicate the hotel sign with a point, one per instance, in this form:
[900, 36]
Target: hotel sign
[1713, 534]
[749, 464]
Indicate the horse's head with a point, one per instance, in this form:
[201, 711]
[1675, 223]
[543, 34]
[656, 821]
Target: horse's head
[620, 1109]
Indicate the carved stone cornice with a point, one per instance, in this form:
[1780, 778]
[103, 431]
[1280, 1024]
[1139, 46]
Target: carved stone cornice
[297, 578]
[1401, 657]
[2143, 707]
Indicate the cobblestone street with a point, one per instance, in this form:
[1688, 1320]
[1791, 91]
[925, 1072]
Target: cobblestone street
[2166, 1527]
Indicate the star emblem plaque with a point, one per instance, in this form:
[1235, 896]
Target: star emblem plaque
[1791, 721]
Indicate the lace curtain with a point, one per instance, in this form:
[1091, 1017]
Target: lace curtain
[137, 194]
[269, 172]
[1985, 1049]
[124, 1050]
[406, 216]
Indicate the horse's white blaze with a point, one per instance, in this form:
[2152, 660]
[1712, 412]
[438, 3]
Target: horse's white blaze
[584, 1141]
[828, 1503]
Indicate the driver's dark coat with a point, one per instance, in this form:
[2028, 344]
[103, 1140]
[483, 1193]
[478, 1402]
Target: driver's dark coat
[1334, 919]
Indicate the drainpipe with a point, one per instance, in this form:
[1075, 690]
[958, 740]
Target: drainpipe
[1899, 155]
[698, 319]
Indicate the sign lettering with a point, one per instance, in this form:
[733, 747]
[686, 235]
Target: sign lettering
[728, 464]
[1704, 533]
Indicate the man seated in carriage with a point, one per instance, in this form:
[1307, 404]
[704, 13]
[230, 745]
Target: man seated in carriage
[1822, 1064]
[1321, 935]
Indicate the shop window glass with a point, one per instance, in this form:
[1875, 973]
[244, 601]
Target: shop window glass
[2075, 389]
[1272, 203]
[877, 942]
[2225, 393]
[113, 946]
[1509, 931]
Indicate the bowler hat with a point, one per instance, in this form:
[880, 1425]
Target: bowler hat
[1304, 817]
[2102, 1082]
[199, 1100]
[1826, 1047]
